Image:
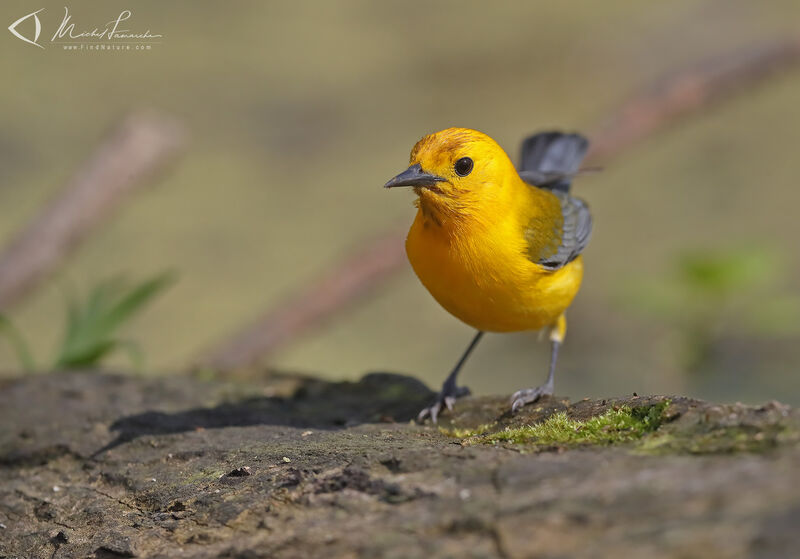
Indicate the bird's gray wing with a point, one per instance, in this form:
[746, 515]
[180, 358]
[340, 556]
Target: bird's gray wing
[565, 240]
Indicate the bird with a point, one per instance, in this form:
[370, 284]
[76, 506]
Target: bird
[500, 248]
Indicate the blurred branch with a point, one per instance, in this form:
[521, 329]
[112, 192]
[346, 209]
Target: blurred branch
[676, 96]
[347, 281]
[685, 93]
[142, 144]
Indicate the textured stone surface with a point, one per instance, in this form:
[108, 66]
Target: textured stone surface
[96, 465]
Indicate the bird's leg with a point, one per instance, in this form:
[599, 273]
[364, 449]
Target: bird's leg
[530, 395]
[449, 393]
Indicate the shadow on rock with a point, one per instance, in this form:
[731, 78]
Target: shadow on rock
[377, 397]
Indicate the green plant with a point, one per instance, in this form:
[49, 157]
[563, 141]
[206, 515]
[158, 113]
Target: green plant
[90, 333]
[709, 293]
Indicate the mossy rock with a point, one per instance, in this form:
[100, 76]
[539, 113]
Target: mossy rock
[653, 424]
[99, 465]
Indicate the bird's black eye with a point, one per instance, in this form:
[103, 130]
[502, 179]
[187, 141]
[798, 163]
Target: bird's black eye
[463, 166]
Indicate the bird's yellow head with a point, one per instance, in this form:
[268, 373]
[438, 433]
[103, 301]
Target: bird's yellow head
[455, 171]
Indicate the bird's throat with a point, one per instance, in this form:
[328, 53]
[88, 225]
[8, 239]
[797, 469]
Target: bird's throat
[434, 208]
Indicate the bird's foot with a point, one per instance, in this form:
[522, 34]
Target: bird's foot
[529, 395]
[445, 399]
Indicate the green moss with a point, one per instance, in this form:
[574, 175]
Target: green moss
[649, 429]
[465, 433]
[721, 439]
[206, 474]
[623, 424]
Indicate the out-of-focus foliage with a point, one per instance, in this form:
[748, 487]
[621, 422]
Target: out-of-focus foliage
[90, 332]
[296, 122]
[713, 293]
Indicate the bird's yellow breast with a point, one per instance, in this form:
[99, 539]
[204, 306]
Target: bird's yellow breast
[481, 274]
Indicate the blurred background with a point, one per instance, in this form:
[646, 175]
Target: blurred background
[296, 113]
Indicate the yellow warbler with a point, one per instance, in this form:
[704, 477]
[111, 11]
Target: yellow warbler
[498, 248]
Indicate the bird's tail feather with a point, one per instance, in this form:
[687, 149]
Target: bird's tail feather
[551, 159]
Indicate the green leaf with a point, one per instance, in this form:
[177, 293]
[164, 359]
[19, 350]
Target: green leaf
[91, 327]
[722, 272]
[85, 355]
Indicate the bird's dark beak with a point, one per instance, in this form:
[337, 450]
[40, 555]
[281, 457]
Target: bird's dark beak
[414, 176]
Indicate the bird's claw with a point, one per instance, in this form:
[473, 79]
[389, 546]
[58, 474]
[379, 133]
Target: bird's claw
[431, 411]
[446, 398]
[528, 396]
